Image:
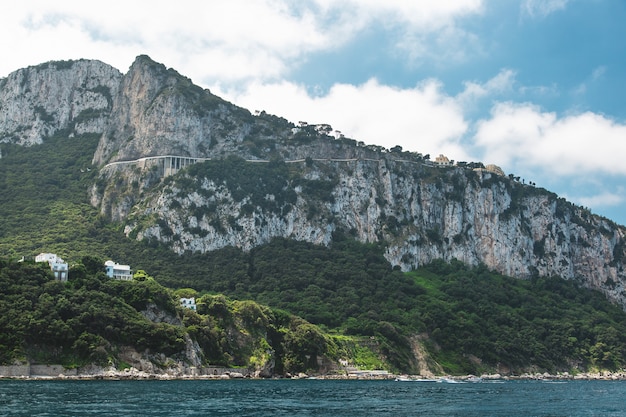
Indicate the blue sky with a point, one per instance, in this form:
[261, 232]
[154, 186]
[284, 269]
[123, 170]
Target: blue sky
[537, 87]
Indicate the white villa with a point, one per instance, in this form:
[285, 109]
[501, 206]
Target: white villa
[57, 265]
[189, 303]
[117, 271]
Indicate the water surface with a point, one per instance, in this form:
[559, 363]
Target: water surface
[311, 398]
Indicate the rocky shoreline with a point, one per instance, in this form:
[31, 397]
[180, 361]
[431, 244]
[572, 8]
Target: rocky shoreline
[135, 374]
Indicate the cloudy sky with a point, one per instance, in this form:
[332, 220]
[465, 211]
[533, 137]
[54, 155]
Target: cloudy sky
[537, 87]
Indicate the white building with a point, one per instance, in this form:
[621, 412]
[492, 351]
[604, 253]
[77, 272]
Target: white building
[57, 265]
[117, 271]
[189, 303]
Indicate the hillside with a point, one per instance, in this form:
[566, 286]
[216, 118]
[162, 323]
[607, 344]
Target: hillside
[170, 164]
[148, 169]
[349, 289]
[462, 321]
[97, 321]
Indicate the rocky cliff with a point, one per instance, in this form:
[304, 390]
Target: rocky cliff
[266, 177]
[421, 213]
[72, 97]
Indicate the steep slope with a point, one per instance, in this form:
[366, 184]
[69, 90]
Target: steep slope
[219, 176]
[158, 112]
[422, 213]
[70, 96]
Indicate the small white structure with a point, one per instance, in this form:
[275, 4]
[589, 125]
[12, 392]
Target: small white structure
[57, 265]
[117, 271]
[189, 303]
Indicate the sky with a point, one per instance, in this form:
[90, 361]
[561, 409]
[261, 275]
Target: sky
[537, 87]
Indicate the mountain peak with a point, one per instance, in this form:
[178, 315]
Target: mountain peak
[143, 63]
[57, 96]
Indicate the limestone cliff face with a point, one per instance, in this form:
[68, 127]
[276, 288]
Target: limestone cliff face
[74, 97]
[304, 184]
[422, 213]
[157, 111]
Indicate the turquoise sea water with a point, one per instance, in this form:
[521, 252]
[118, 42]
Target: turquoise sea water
[311, 398]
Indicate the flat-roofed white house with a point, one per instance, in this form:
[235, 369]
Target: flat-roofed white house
[58, 266]
[189, 303]
[117, 271]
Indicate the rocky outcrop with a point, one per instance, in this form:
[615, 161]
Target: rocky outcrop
[156, 111]
[157, 315]
[422, 213]
[193, 354]
[73, 97]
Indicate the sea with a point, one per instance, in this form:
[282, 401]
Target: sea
[306, 397]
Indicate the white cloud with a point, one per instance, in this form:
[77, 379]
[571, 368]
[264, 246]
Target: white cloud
[425, 16]
[421, 119]
[244, 49]
[429, 31]
[580, 90]
[596, 75]
[540, 91]
[523, 135]
[243, 43]
[502, 83]
[226, 40]
[605, 199]
[598, 72]
[441, 48]
[542, 8]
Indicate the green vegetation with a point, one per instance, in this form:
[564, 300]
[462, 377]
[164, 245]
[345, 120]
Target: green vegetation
[87, 114]
[473, 319]
[266, 186]
[547, 322]
[82, 322]
[104, 91]
[44, 199]
[361, 350]
[351, 289]
[248, 180]
[354, 303]
[201, 100]
[58, 65]
[91, 319]
[252, 334]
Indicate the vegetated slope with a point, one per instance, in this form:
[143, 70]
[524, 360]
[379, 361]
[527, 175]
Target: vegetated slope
[421, 213]
[546, 323]
[83, 322]
[44, 204]
[93, 320]
[470, 319]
